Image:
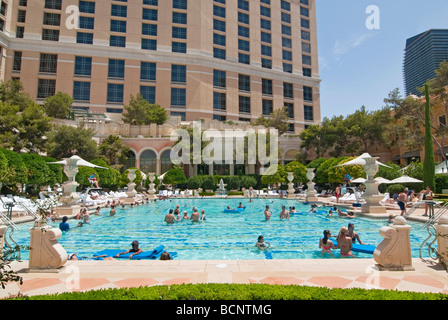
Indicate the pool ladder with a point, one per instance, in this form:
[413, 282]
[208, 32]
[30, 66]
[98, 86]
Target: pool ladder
[429, 225]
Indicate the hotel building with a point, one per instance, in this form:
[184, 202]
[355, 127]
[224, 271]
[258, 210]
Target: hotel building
[228, 60]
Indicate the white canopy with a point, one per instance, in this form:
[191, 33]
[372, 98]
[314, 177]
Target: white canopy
[360, 161]
[406, 179]
[79, 162]
[363, 180]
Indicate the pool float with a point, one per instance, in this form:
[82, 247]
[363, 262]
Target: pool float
[364, 248]
[145, 255]
[234, 210]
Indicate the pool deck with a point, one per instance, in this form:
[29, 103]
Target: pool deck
[428, 276]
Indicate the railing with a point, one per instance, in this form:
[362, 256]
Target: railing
[432, 233]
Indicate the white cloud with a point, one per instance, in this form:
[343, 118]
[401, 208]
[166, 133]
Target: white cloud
[342, 47]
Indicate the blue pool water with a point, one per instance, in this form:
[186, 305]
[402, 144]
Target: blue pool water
[222, 236]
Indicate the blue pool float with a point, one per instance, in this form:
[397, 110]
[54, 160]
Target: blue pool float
[364, 248]
[235, 210]
[145, 255]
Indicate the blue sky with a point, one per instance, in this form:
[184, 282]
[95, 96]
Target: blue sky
[359, 66]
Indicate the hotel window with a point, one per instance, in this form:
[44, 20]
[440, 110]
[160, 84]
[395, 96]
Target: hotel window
[286, 17]
[23, 3]
[289, 109]
[265, 11]
[86, 23]
[219, 79]
[308, 113]
[219, 117]
[287, 55]
[266, 87]
[286, 43]
[219, 39]
[149, 44]
[86, 6]
[52, 19]
[306, 47]
[265, 24]
[118, 26]
[20, 31]
[46, 88]
[243, 83]
[117, 41]
[243, 18]
[83, 66]
[307, 93]
[148, 93]
[182, 115]
[81, 91]
[219, 11]
[119, 11]
[266, 63]
[306, 72]
[17, 63]
[149, 29]
[116, 69]
[304, 12]
[147, 71]
[266, 37]
[149, 14]
[179, 17]
[180, 47]
[305, 35]
[151, 2]
[305, 23]
[243, 5]
[219, 53]
[220, 1]
[179, 33]
[243, 58]
[266, 50]
[53, 4]
[285, 5]
[21, 17]
[287, 67]
[286, 30]
[266, 1]
[180, 4]
[267, 107]
[48, 63]
[288, 90]
[305, 2]
[83, 37]
[178, 74]
[219, 101]
[219, 25]
[243, 45]
[243, 32]
[244, 104]
[306, 59]
[178, 97]
[115, 92]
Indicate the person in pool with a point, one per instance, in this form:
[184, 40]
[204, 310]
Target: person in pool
[169, 218]
[352, 234]
[241, 206]
[345, 243]
[284, 214]
[267, 213]
[135, 250]
[261, 244]
[325, 243]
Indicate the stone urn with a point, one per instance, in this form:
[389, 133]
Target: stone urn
[151, 190]
[291, 185]
[311, 193]
[371, 195]
[46, 253]
[131, 185]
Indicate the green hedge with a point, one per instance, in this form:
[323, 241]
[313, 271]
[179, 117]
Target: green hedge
[239, 292]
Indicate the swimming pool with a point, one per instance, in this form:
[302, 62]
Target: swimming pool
[223, 236]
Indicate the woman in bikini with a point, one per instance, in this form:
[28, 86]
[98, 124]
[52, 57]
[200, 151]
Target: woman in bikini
[325, 243]
[345, 243]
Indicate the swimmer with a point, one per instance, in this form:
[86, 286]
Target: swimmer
[203, 215]
[345, 243]
[267, 213]
[195, 215]
[169, 218]
[185, 217]
[261, 244]
[135, 250]
[284, 214]
[325, 243]
[241, 205]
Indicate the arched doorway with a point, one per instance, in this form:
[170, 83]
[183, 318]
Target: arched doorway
[148, 161]
[130, 162]
[165, 161]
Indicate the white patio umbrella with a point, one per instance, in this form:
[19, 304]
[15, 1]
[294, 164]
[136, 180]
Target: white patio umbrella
[79, 162]
[406, 179]
[360, 161]
[378, 179]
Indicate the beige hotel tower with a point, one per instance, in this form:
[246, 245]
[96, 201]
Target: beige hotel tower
[223, 59]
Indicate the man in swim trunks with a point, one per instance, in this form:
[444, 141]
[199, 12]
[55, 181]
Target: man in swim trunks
[195, 215]
[284, 214]
[169, 218]
[267, 213]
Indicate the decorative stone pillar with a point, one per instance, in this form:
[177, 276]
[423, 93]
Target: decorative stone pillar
[151, 190]
[394, 252]
[311, 194]
[131, 187]
[290, 185]
[442, 237]
[46, 253]
[70, 197]
[371, 195]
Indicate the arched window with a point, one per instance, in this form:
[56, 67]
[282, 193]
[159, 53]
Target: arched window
[165, 161]
[148, 161]
[130, 162]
